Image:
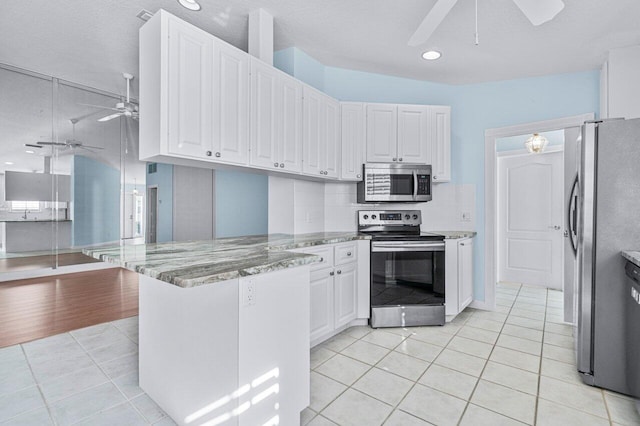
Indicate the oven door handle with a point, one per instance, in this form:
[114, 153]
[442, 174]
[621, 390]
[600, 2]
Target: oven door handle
[415, 185]
[394, 247]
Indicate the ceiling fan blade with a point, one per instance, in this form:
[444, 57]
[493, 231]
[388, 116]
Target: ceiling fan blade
[52, 143]
[110, 117]
[431, 22]
[32, 145]
[540, 11]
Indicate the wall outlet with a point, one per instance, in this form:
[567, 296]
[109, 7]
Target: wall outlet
[249, 293]
[466, 217]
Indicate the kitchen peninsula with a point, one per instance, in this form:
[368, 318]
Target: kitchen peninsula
[224, 325]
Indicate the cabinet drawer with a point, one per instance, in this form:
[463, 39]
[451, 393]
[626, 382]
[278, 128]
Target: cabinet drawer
[326, 254]
[346, 253]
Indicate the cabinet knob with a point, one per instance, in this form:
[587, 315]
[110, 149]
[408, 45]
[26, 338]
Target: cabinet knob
[400, 159]
[282, 165]
[348, 253]
[321, 172]
[208, 153]
[326, 172]
[275, 164]
[394, 159]
[339, 272]
[322, 259]
[358, 176]
[217, 154]
[331, 273]
[435, 177]
[461, 244]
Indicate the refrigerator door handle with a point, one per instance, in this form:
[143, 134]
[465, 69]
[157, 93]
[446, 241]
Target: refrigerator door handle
[572, 216]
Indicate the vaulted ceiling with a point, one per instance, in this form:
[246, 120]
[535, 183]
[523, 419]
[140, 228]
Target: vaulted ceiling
[93, 42]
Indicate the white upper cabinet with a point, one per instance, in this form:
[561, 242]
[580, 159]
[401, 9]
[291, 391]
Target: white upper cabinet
[440, 143]
[276, 119]
[189, 90]
[413, 137]
[397, 133]
[354, 130]
[231, 104]
[382, 133]
[321, 134]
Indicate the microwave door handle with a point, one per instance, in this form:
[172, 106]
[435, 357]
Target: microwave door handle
[415, 185]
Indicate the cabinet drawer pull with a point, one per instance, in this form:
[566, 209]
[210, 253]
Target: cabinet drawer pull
[208, 153]
[218, 154]
[331, 273]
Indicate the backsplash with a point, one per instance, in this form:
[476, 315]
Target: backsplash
[297, 206]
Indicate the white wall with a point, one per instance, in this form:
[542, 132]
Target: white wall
[621, 90]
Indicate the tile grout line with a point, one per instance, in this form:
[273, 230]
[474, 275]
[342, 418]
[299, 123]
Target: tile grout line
[46, 404]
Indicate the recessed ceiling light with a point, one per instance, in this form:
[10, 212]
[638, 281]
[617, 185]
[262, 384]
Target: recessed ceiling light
[190, 4]
[431, 55]
[9, 163]
[29, 151]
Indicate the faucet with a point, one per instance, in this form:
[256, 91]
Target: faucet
[25, 214]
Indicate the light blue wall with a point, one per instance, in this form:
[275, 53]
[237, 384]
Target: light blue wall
[96, 202]
[163, 179]
[297, 63]
[474, 109]
[242, 203]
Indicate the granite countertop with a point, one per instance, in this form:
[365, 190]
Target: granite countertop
[632, 256]
[31, 221]
[452, 234]
[194, 263]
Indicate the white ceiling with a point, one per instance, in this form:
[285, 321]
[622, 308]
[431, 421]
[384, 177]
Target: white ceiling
[93, 42]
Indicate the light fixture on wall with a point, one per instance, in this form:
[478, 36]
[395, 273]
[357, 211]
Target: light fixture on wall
[190, 4]
[536, 143]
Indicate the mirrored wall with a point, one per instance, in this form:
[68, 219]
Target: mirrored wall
[70, 177]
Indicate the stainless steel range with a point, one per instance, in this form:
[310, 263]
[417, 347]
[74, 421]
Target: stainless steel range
[407, 269]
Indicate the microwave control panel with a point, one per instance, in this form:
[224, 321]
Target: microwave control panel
[424, 185]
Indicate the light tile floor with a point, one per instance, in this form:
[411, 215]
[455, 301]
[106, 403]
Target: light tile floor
[511, 366]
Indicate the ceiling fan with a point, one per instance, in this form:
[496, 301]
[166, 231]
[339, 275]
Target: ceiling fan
[67, 144]
[537, 11]
[126, 108]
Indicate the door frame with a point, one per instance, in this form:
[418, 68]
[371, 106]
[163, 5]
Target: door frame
[491, 189]
[147, 210]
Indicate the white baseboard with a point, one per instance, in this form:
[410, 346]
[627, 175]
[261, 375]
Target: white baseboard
[476, 304]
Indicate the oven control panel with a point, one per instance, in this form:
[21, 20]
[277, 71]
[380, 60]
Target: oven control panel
[389, 217]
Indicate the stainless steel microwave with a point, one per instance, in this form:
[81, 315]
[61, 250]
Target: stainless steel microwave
[395, 183]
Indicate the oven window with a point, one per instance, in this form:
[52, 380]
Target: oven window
[401, 184]
[407, 278]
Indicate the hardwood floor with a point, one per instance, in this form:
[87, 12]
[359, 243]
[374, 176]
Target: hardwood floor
[15, 264]
[39, 307]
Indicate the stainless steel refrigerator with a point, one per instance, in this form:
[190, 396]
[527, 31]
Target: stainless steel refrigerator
[604, 218]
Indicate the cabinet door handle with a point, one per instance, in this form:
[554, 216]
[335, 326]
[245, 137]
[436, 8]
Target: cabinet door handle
[358, 176]
[331, 273]
[321, 172]
[275, 164]
[282, 165]
[218, 154]
[461, 244]
[435, 177]
[348, 253]
[339, 272]
[394, 159]
[400, 159]
[208, 153]
[322, 259]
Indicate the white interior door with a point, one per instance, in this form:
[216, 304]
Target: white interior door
[530, 225]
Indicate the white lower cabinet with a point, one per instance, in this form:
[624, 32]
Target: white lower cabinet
[458, 275]
[339, 290]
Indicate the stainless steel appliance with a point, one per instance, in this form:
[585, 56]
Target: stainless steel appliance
[407, 269]
[395, 183]
[605, 220]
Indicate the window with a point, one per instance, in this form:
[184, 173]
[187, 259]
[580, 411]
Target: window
[25, 205]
